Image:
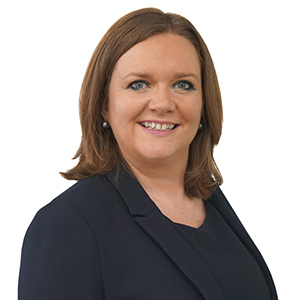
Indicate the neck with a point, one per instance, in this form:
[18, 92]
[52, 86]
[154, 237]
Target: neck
[161, 178]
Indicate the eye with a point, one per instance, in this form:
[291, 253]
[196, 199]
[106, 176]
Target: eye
[184, 85]
[138, 85]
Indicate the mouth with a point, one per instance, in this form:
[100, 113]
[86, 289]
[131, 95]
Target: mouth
[159, 126]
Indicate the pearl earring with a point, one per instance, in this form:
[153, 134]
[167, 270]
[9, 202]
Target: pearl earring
[200, 126]
[105, 125]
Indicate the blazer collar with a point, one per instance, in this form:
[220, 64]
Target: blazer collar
[163, 231]
[137, 200]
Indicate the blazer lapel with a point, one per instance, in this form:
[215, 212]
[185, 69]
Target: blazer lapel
[162, 230]
[222, 205]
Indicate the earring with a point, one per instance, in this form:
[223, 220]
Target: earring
[200, 126]
[105, 125]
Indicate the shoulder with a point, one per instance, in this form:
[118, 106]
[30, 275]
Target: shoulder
[86, 190]
[218, 198]
[88, 193]
[71, 217]
[85, 201]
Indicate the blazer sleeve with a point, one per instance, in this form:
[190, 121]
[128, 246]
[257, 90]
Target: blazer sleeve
[60, 258]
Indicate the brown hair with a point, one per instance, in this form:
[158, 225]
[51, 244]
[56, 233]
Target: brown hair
[99, 152]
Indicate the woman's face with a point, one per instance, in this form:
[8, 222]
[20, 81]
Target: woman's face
[155, 100]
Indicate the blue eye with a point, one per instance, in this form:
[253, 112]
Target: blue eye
[138, 85]
[184, 85]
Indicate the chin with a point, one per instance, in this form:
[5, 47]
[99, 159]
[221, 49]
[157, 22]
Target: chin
[160, 156]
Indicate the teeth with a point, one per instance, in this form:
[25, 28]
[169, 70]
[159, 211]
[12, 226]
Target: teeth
[158, 126]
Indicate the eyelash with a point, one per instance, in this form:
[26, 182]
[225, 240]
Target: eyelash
[131, 85]
[190, 85]
[134, 88]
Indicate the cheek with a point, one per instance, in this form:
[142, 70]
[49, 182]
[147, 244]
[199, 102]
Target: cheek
[194, 111]
[124, 108]
[123, 112]
[116, 108]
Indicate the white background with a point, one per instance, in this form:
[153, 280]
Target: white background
[45, 49]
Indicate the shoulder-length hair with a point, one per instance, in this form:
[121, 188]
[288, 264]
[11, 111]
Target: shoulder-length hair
[99, 152]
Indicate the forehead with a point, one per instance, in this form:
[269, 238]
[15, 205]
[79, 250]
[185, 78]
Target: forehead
[161, 54]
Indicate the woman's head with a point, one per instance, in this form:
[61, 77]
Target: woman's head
[99, 152]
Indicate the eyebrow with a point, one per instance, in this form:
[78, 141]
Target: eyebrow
[141, 75]
[145, 75]
[180, 75]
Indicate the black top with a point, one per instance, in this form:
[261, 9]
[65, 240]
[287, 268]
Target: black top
[236, 271]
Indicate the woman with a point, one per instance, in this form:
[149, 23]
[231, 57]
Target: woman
[146, 219]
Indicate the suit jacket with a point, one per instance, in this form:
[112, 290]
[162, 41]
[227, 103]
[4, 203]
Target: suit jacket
[106, 239]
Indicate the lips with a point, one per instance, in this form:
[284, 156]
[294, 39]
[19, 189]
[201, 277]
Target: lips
[158, 126]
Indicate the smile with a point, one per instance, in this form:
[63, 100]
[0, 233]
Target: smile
[158, 126]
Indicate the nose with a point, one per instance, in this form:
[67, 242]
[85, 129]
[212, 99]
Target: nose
[162, 101]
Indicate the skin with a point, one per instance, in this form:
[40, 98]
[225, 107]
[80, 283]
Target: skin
[158, 81]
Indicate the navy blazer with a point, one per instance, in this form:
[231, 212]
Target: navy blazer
[106, 239]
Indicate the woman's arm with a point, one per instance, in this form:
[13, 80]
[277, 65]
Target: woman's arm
[60, 258]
